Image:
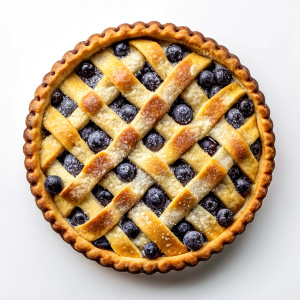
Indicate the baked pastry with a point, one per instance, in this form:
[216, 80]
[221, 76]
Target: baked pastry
[149, 147]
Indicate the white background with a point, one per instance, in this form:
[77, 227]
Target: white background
[263, 263]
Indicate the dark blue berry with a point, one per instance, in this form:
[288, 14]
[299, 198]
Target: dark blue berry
[234, 173]
[256, 148]
[145, 69]
[246, 106]
[118, 103]
[130, 229]
[72, 165]
[243, 185]
[77, 217]
[128, 112]
[214, 90]
[98, 141]
[151, 251]
[151, 81]
[87, 131]
[154, 141]
[207, 92]
[209, 145]
[206, 79]
[89, 74]
[102, 243]
[174, 53]
[211, 204]
[57, 97]
[222, 76]
[67, 106]
[102, 195]
[182, 114]
[53, 184]
[235, 118]
[155, 198]
[86, 69]
[184, 173]
[45, 132]
[193, 240]
[121, 49]
[126, 171]
[225, 217]
[212, 66]
[182, 228]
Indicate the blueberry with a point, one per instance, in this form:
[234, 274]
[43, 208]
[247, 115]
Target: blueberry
[222, 76]
[102, 195]
[53, 184]
[184, 173]
[256, 148]
[234, 173]
[151, 81]
[145, 69]
[235, 118]
[214, 90]
[211, 204]
[86, 131]
[243, 185]
[155, 198]
[98, 141]
[174, 53]
[206, 79]
[193, 240]
[128, 112]
[57, 97]
[130, 229]
[212, 66]
[154, 141]
[77, 217]
[207, 92]
[86, 69]
[151, 251]
[121, 49]
[72, 165]
[126, 171]
[102, 243]
[246, 106]
[209, 145]
[182, 114]
[67, 106]
[182, 228]
[225, 217]
[118, 103]
[45, 132]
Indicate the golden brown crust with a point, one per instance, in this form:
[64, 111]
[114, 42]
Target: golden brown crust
[32, 135]
[92, 103]
[154, 109]
[109, 216]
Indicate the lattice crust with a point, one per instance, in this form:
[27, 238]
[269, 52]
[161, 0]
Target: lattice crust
[153, 167]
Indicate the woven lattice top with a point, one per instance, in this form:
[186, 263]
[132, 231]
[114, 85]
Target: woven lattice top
[115, 75]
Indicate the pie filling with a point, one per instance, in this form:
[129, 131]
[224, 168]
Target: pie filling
[149, 149]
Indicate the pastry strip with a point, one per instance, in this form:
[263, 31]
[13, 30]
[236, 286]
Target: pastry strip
[109, 158]
[119, 241]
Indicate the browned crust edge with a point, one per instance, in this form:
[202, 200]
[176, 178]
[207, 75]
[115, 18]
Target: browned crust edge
[206, 47]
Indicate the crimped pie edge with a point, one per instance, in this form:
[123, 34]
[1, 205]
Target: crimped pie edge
[32, 135]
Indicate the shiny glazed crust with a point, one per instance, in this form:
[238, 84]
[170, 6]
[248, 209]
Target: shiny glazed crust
[204, 46]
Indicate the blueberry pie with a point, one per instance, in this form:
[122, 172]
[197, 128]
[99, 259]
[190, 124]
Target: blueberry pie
[149, 147]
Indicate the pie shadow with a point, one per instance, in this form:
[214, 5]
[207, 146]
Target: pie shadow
[190, 275]
[205, 270]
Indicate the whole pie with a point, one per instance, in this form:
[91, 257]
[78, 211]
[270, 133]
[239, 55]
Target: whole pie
[149, 147]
